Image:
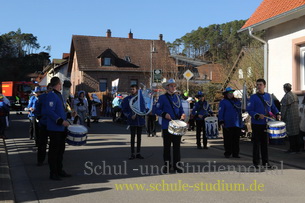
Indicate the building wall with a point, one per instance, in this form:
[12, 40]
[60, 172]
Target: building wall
[282, 60]
[92, 78]
[76, 75]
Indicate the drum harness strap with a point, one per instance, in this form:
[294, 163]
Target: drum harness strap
[265, 104]
[171, 103]
[237, 109]
[201, 107]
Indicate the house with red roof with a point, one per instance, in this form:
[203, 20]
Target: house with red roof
[282, 22]
[96, 61]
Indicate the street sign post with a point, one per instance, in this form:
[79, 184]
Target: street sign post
[188, 75]
[157, 75]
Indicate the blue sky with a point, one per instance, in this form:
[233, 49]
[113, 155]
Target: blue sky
[54, 22]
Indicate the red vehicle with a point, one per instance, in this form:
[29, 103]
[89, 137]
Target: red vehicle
[17, 92]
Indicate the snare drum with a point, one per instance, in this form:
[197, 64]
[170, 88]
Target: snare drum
[211, 127]
[276, 129]
[77, 135]
[177, 127]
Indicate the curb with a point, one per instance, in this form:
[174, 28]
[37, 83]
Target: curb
[6, 186]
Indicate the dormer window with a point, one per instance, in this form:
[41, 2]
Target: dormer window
[107, 62]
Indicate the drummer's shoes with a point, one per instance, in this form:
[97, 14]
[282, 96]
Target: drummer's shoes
[55, 177]
[132, 157]
[205, 147]
[290, 151]
[165, 170]
[267, 165]
[178, 170]
[199, 147]
[39, 163]
[139, 156]
[63, 174]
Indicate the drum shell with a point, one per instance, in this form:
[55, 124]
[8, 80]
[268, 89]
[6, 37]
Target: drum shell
[276, 129]
[77, 135]
[211, 127]
[177, 127]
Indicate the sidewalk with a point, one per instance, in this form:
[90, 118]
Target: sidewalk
[6, 188]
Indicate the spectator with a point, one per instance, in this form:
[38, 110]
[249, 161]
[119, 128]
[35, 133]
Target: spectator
[81, 107]
[290, 115]
[96, 104]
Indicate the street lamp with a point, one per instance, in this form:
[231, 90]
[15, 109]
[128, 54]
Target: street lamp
[152, 50]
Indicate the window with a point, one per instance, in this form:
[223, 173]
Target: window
[302, 67]
[249, 72]
[103, 85]
[107, 62]
[240, 74]
[133, 82]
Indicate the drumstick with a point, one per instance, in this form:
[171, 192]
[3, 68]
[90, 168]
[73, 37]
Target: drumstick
[269, 118]
[175, 122]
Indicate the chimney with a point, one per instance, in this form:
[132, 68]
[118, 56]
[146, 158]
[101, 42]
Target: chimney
[108, 33]
[130, 35]
[160, 37]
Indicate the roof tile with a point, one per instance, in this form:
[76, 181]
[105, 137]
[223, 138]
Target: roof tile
[271, 8]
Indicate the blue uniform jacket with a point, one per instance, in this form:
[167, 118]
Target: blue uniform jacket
[139, 120]
[230, 113]
[163, 106]
[41, 109]
[202, 108]
[55, 111]
[255, 106]
[32, 103]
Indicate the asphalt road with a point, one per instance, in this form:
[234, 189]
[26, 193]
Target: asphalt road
[101, 171]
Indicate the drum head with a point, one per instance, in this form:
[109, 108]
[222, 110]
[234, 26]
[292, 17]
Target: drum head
[276, 123]
[80, 129]
[178, 123]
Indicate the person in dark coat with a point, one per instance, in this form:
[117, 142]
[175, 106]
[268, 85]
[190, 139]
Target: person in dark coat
[290, 115]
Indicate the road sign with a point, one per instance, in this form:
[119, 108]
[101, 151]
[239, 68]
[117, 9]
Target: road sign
[188, 74]
[157, 75]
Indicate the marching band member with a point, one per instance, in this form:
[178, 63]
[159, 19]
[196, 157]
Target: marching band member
[136, 122]
[170, 108]
[40, 112]
[56, 126]
[201, 110]
[259, 107]
[34, 129]
[4, 111]
[231, 121]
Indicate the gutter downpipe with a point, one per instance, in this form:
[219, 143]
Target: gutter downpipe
[250, 29]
